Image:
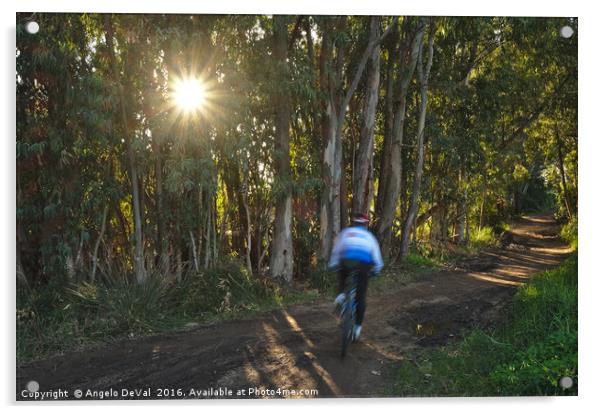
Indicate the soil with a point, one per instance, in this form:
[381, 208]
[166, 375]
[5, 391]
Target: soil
[297, 349]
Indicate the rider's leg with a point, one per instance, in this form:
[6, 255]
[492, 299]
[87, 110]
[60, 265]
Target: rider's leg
[362, 287]
[338, 301]
[343, 272]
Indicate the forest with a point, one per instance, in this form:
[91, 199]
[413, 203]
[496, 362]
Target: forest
[217, 157]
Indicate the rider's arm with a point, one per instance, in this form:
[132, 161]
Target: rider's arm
[335, 256]
[376, 257]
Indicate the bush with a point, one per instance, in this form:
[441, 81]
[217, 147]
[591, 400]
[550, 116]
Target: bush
[569, 233]
[526, 356]
[483, 237]
[125, 305]
[225, 288]
[416, 259]
[322, 279]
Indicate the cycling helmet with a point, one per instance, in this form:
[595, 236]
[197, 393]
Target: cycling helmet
[361, 219]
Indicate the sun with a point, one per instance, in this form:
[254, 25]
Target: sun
[189, 94]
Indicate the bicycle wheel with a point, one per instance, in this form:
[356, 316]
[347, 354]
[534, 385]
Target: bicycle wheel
[348, 317]
[347, 328]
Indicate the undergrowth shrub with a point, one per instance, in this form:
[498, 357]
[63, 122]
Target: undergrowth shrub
[416, 259]
[569, 233]
[322, 279]
[125, 305]
[225, 288]
[483, 237]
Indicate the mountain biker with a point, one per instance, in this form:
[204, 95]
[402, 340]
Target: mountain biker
[355, 248]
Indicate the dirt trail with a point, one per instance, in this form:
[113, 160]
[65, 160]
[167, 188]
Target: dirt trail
[297, 348]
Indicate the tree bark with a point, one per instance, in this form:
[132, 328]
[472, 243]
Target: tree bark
[482, 209]
[463, 208]
[385, 155]
[336, 108]
[328, 125]
[393, 170]
[363, 172]
[244, 192]
[281, 258]
[562, 174]
[463, 234]
[97, 244]
[423, 78]
[139, 269]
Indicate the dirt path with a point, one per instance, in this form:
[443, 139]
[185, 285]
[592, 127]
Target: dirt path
[297, 348]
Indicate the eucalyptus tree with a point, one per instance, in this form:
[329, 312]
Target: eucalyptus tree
[390, 168]
[281, 255]
[363, 173]
[423, 70]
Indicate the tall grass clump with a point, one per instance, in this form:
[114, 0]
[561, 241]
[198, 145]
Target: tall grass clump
[125, 305]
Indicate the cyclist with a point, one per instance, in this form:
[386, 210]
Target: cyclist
[355, 248]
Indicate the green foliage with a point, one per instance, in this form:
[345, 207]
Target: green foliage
[526, 356]
[569, 233]
[227, 287]
[323, 279]
[537, 370]
[126, 306]
[415, 259]
[483, 237]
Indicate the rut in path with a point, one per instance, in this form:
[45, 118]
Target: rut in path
[297, 348]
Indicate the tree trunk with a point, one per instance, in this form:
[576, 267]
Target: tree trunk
[344, 194]
[423, 78]
[97, 244]
[208, 238]
[385, 156]
[394, 166]
[482, 210]
[463, 235]
[244, 197]
[438, 232]
[139, 269]
[364, 169]
[336, 108]
[463, 219]
[327, 126]
[562, 173]
[281, 258]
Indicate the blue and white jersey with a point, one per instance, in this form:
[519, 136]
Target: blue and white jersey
[356, 243]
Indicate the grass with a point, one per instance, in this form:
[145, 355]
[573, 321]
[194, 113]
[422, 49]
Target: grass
[526, 356]
[419, 261]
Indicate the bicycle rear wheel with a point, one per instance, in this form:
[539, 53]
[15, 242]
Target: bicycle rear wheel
[347, 330]
[348, 318]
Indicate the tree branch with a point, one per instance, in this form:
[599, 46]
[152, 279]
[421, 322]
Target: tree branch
[361, 66]
[535, 114]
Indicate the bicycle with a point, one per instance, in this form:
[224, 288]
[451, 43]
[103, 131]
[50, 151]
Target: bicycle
[348, 310]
